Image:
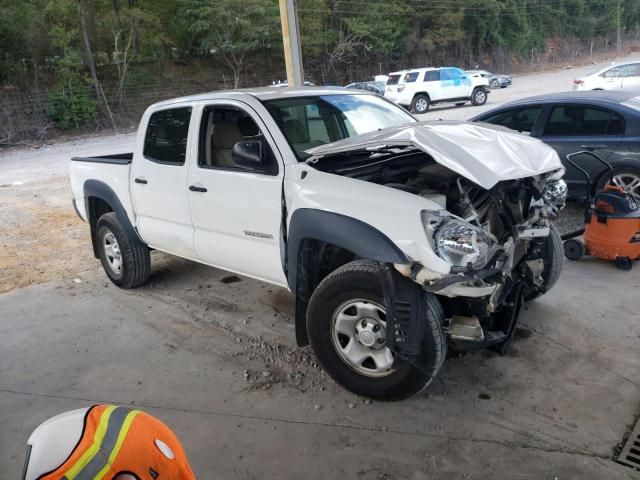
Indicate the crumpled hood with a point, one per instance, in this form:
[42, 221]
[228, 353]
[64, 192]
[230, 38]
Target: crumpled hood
[485, 154]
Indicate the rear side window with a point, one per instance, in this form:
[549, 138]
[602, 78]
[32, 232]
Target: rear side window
[577, 120]
[519, 119]
[432, 76]
[411, 77]
[393, 79]
[166, 138]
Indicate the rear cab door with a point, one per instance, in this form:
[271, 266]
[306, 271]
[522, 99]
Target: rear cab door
[159, 179]
[237, 213]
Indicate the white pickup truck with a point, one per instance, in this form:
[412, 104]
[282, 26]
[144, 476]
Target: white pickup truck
[398, 239]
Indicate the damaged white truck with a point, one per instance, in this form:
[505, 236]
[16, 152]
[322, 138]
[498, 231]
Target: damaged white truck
[399, 240]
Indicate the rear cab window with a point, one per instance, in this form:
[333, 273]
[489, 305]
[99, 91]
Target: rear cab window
[519, 119]
[166, 138]
[576, 120]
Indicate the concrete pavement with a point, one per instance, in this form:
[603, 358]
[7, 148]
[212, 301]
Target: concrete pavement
[214, 357]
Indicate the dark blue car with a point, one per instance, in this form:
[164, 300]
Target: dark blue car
[604, 122]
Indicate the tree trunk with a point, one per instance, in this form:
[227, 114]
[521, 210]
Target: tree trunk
[87, 47]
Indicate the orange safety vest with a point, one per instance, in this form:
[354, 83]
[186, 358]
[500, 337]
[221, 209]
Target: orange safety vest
[120, 440]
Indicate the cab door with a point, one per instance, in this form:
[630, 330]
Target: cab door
[159, 181]
[236, 211]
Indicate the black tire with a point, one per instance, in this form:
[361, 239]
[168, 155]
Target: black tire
[135, 262]
[633, 170]
[361, 280]
[420, 103]
[479, 96]
[494, 83]
[574, 249]
[552, 264]
[623, 263]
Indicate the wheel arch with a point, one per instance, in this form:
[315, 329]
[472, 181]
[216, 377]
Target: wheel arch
[99, 198]
[319, 242]
[426, 94]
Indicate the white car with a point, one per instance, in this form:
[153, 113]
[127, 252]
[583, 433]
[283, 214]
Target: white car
[397, 239]
[420, 88]
[612, 77]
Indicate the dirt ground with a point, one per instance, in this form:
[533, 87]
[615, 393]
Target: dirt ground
[42, 238]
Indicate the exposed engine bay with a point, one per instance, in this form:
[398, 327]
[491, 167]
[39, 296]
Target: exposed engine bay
[495, 240]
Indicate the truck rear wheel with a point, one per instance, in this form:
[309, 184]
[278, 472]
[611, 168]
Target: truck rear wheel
[347, 329]
[127, 263]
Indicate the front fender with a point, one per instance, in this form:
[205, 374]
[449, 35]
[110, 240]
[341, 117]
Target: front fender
[349, 233]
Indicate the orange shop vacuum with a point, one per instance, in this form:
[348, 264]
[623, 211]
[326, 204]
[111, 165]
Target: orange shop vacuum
[612, 223]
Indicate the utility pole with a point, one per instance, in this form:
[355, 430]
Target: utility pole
[291, 42]
[619, 21]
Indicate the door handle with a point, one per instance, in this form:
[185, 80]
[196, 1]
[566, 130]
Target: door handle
[591, 147]
[194, 188]
[140, 180]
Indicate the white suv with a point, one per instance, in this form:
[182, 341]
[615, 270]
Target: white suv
[419, 88]
[612, 77]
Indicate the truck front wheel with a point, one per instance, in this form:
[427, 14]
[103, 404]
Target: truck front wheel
[346, 322]
[479, 96]
[127, 263]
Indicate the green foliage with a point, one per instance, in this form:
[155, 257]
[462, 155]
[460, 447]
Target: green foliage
[68, 103]
[221, 29]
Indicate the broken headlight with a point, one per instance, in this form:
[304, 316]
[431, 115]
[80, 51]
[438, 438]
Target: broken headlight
[555, 193]
[459, 243]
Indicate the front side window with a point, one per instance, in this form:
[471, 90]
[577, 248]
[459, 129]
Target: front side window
[223, 127]
[166, 137]
[612, 73]
[309, 122]
[577, 120]
[519, 119]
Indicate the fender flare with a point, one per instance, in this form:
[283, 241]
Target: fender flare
[98, 189]
[346, 232]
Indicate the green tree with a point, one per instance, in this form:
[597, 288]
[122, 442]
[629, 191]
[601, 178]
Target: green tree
[232, 35]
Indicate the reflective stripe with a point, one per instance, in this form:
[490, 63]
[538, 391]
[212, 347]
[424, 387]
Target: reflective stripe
[103, 448]
[95, 446]
[116, 449]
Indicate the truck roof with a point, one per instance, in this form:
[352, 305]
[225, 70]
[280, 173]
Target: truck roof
[262, 93]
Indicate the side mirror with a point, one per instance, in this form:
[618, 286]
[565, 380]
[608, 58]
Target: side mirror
[248, 154]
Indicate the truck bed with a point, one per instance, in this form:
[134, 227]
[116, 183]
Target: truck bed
[111, 171]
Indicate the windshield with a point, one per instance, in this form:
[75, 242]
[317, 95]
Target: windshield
[309, 122]
[633, 102]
